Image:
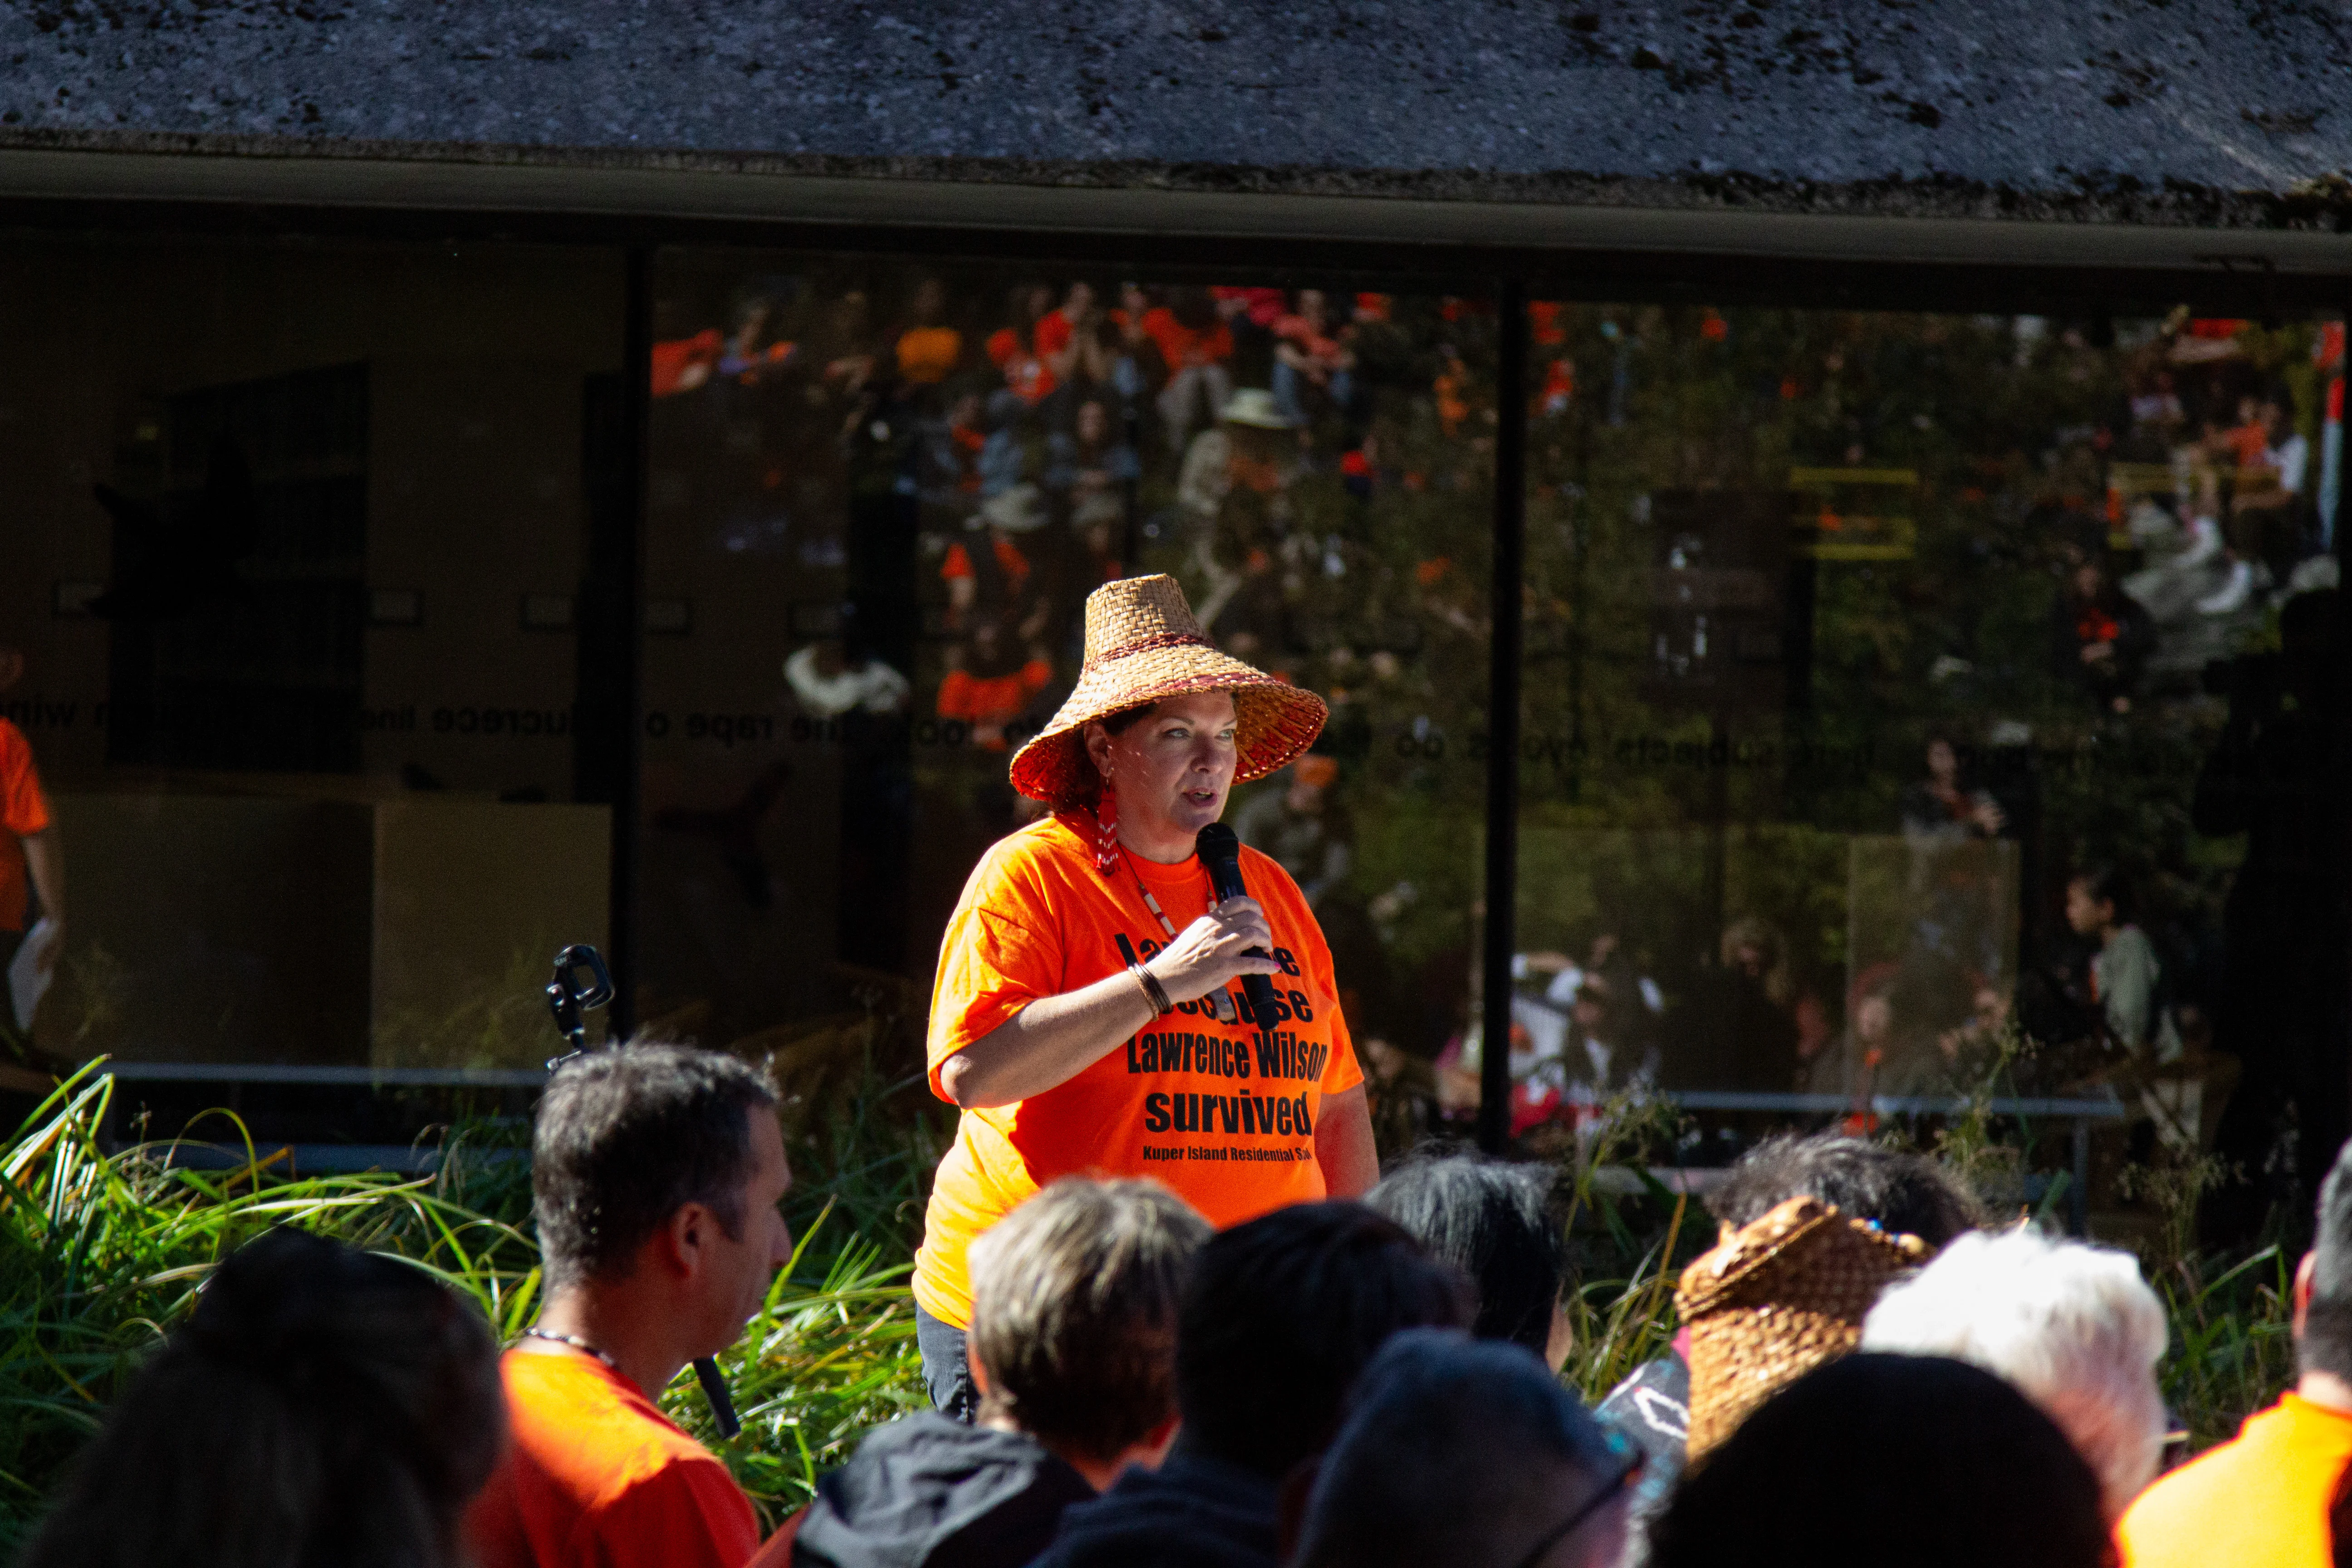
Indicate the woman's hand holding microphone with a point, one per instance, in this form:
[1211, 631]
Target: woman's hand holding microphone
[1212, 952]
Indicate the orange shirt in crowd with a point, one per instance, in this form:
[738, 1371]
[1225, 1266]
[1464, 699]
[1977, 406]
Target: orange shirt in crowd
[928, 355]
[1180, 345]
[2260, 1499]
[1027, 375]
[1009, 560]
[24, 811]
[993, 701]
[1052, 335]
[595, 1477]
[681, 364]
[1224, 1113]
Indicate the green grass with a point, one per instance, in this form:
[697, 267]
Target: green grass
[101, 1251]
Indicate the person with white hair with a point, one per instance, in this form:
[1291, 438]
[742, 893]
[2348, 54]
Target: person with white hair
[2073, 1326]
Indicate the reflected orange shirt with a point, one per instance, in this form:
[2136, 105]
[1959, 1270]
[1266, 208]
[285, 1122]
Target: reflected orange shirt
[24, 811]
[2259, 1498]
[928, 354]
[1224, 1114]
[595, 1477]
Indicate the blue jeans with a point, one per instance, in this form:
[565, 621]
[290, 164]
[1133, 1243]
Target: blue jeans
[947, 1370]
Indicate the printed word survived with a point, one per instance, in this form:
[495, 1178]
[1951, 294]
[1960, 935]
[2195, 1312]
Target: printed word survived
[1276, 1116]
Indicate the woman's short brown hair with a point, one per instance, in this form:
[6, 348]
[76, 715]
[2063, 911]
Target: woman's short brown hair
[1074, 1307]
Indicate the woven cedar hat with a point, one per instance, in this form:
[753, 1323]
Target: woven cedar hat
[1143, 646]
[1779, 1298]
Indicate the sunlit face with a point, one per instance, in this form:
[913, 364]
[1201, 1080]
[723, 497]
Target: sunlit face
[739, 1269]
[1173, 767]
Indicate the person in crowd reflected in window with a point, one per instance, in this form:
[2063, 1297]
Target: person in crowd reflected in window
[32, 860]
[1280, 1318]
[992, 573]
[1075, 1300]
[929, 350]
[1871, 1458]
[1194, 342]
[2266, 1495]
[1945, 806]
[2126, 975]
[1739, 1031]
[1066, 339]
[1087, 1014]
[1496, 1223]
[990, 681]
[1029, 380]
[1470, 1455]
[655, 1172]
[2101, 637]
[320, 1404]
[1312, 357]
[2074, 1327]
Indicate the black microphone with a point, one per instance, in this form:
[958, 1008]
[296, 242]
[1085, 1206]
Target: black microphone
[1221, 856]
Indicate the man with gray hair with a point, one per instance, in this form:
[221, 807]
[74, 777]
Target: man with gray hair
[2073, 1326]
[2264, 1496]
[1073, 1345]
[1468, 1453]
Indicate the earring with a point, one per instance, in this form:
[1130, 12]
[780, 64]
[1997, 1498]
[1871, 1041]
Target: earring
[1107, 830]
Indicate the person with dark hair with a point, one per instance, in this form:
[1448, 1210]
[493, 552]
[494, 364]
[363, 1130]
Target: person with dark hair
[1074, 1299]
[656, 1170]
[1279, 1318]
[1496, 1223]
[1877, 1458]
[320, 1404]
[1903, 1193]
[2126, 972]
[1471, 1455]
[2266, 1495]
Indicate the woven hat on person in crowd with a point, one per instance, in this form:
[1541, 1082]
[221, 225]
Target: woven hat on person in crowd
[1017, 509]
[1143, 646]
[1256, 407]
[1778, 1299]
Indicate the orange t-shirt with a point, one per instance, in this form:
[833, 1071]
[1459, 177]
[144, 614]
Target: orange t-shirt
[1178, 344]
[595, 1477]
[1008, 558]
[1224, 1113]
[24, 811]
[2260, 1499]
[928, 354]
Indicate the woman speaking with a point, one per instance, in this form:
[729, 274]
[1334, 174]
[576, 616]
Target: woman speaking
[1088, 1015]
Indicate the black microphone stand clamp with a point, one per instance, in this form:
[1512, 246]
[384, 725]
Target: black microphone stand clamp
[581, 982]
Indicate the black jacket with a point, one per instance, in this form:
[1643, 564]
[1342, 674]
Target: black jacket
[1194, 1511]
[929, 1492]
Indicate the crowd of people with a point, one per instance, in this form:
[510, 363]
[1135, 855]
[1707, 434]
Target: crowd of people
[1867, 1370]
[1034, 437]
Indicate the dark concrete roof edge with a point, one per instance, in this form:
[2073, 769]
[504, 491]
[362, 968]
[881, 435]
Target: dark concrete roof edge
[1911, 219]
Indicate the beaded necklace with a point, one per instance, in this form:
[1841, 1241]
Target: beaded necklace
[574, 1341]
